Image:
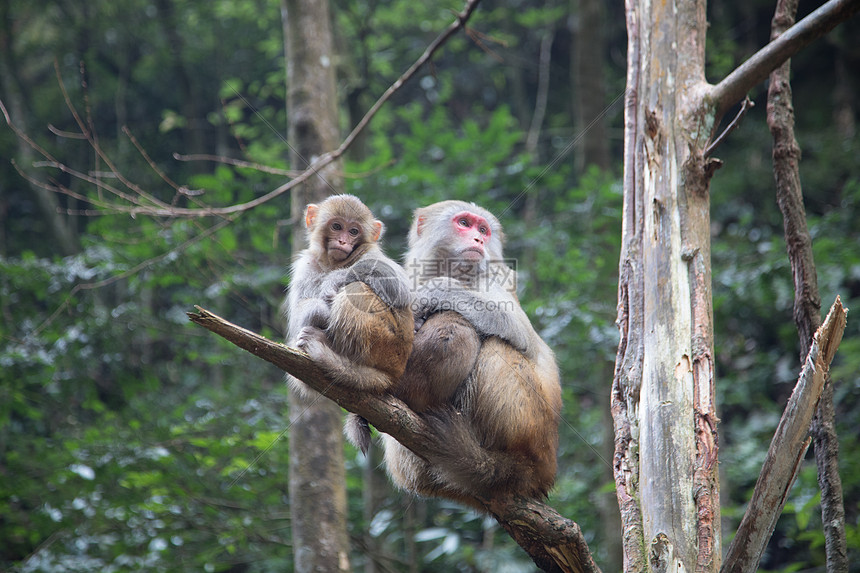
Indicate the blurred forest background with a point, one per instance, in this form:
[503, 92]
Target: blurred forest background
[133, 440]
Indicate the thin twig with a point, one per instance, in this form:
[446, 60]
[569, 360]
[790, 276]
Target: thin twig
[479, 37]
[745, 106]
[148, 159]
[66, 134]
[542, 92]
[129, 272]
[460, 22]
[58, 188]
[236, 163]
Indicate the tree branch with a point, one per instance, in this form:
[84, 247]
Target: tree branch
[734, 86]
[786, 449]
[553, 542]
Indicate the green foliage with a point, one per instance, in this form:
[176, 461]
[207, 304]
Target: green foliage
[130, 440]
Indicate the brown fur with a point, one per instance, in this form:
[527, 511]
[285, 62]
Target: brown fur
[371, 332]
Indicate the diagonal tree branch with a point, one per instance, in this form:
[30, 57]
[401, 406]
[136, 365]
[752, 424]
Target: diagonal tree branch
[787, 449]
[555, 543]
[733, 87]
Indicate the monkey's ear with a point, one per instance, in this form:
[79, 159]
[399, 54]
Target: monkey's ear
[311, 214]
[378, 228]
[419, 224]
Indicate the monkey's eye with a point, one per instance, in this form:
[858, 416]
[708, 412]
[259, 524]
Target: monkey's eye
[354, 231]
[483, 230]
[463, 222]
[336, 226]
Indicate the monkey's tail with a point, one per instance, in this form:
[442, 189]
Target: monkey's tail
[357, 431]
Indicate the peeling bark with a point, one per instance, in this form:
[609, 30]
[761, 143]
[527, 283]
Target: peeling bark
[662, 400]
[663, 396]
[624, 399]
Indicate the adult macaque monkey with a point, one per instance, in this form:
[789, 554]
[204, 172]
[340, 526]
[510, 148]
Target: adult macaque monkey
[478, 372]
[348, 304]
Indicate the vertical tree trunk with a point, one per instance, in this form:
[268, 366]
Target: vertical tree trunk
[13, 93]
[589, 85]
[317, 475]
[663, 392]
[193, 134]
[375, 484]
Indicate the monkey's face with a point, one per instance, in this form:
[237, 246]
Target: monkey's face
[471, 232]
[341, 238]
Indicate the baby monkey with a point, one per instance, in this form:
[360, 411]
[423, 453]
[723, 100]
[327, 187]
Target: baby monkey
[348, 304]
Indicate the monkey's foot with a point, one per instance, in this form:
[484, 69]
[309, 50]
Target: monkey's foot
[310, 340]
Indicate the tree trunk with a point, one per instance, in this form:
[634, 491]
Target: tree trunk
[193, 132]
[663, 392]
[60, 226]
[317, 475]
[375, 484]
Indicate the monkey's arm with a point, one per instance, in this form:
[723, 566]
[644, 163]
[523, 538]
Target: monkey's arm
[314, 312]
[306, 304]
[493, 312]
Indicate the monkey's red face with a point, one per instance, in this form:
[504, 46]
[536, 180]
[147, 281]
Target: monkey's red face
[471, 232]
[342, 237]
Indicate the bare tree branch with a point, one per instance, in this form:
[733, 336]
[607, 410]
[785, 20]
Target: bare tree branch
[754, 71]
[88, 131]
[786, 449]
[236, 163]
[554, 542]
[158, 208]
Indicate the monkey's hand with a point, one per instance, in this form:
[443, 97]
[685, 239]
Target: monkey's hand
[386, 280]
[335, 281]
[493, 312]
